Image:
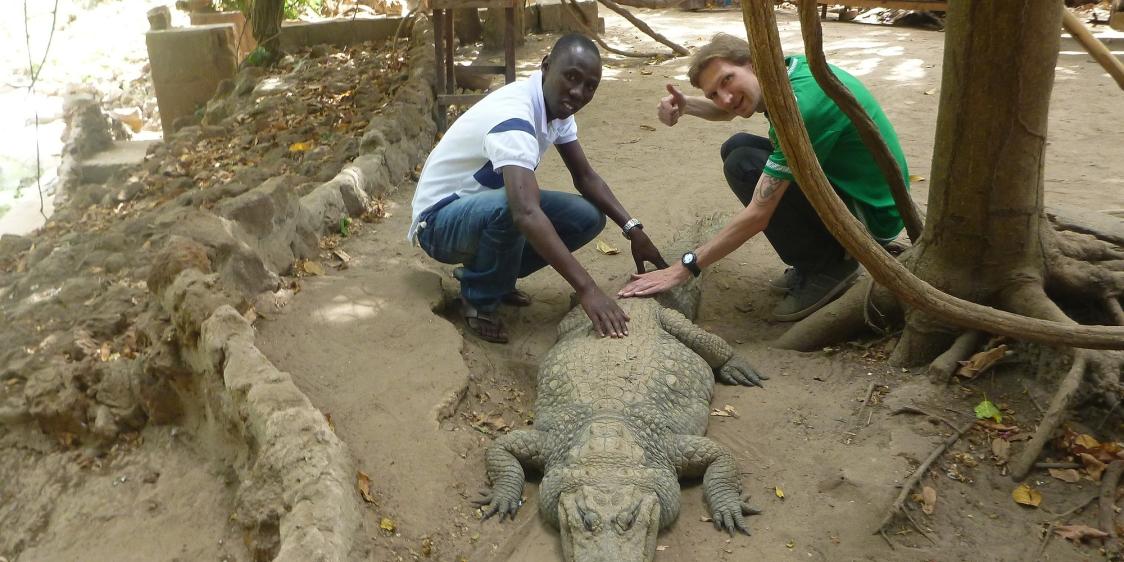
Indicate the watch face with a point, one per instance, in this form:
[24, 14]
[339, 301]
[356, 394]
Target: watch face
[688, 258]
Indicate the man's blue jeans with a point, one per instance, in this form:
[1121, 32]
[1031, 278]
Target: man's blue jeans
[479, 232]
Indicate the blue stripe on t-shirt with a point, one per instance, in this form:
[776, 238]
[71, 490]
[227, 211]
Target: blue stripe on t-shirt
[488, 177]
[514, 124]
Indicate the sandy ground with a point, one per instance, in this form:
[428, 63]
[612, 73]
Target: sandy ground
[412, 396]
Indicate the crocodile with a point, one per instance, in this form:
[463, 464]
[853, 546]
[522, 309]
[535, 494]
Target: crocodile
[617, 423]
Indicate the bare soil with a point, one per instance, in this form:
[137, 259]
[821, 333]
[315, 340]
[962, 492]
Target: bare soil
[417, 401]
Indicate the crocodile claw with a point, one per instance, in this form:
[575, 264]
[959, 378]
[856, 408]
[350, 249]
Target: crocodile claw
[737, 371]
[492, 504]
[733, 519]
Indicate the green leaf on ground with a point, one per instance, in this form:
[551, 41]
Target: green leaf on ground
[986, 409]
[345, 226]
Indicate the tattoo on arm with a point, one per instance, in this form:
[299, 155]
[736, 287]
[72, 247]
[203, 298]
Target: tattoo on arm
[767, 188]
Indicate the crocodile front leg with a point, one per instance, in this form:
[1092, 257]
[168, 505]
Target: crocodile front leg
[505, 458]
[729, 368]
[692, 455]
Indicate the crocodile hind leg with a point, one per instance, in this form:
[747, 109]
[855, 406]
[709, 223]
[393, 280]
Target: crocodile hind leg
[728, 368]
[692, 455]
[505, 458]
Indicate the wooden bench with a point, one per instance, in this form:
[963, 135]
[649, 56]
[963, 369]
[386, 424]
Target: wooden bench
[444, 52]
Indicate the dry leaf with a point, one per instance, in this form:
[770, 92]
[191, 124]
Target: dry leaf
[1065, 475]
[313, 268]
[930, 92]
[331, 424]
[982, 361]
[300, 146]
[1025, 495]
[363, 482]
[605, 248]
[915, 179]
[387, 524]
[661, 547]
[1001, 448]
[647, 127]
[730, 410]
[779, 492]
[1077, 533]
[103, 352]
[1093, 466]
[646, 72]
[342, 255]
[1086, 441]
[928, 500]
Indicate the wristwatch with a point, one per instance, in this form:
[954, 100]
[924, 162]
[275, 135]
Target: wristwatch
[691, 262]
[631, 224]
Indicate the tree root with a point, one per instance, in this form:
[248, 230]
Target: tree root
[1060, 520]
[1065, 395]
[899, 503]
[842, 319]
[1109, 481]
[579, 17]
[679, 49]
[944, 366]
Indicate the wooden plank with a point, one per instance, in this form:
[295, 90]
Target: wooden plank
[482, 69]
[455, 4]
[458, 99]
[924, 5]
[450, 54]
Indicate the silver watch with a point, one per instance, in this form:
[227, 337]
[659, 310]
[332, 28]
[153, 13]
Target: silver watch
[631, 224]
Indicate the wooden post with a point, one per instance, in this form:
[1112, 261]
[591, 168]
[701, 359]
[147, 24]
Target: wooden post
[509, 44]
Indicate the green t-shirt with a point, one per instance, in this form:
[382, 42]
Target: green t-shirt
[840, 150]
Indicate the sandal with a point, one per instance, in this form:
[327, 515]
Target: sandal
[484, 325]
[516, 298]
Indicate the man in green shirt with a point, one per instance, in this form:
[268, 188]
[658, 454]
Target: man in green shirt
[758, 173]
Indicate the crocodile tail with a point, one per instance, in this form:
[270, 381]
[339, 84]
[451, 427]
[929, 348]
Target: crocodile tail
[687, 297]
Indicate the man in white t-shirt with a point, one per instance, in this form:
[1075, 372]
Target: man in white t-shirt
[478, 203]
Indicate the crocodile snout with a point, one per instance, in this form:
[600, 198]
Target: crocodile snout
[609, 524]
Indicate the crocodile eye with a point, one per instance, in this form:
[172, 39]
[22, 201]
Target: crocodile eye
[625, 519]
[591, 521]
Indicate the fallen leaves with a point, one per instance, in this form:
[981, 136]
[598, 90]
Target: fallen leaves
[1001, 448]
[363, 483]
[387, 524]
[982, 361]
[726, 412]
[1065, 474]
[1078, 533]
[927, 498]
[779, 492]
[1025, 495]
[986, 409]
[607, 249]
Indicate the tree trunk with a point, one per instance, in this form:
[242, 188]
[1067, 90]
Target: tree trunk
[985, 216]
[266, 17]
[467, 26]
[496, 21]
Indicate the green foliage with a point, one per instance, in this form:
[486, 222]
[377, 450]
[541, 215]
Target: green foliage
[345, 226]
[986, 410]
[258, 57]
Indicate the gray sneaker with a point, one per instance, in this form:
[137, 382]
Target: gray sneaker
[786, 282]
[816, 290]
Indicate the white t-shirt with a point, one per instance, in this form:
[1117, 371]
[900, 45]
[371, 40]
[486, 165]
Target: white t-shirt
[506, 128]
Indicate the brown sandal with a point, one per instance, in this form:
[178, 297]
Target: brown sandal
[484, 325]
[516, 298]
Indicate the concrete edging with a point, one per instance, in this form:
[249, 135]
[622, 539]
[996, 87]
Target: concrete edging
[300, 480]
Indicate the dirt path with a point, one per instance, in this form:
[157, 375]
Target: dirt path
[366, 346]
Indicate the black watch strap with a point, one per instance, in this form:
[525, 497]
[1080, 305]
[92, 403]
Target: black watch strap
[691, 262]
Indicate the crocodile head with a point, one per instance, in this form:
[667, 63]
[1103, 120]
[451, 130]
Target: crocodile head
[608, 523]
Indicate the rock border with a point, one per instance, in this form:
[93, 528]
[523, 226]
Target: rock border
[299, 495]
